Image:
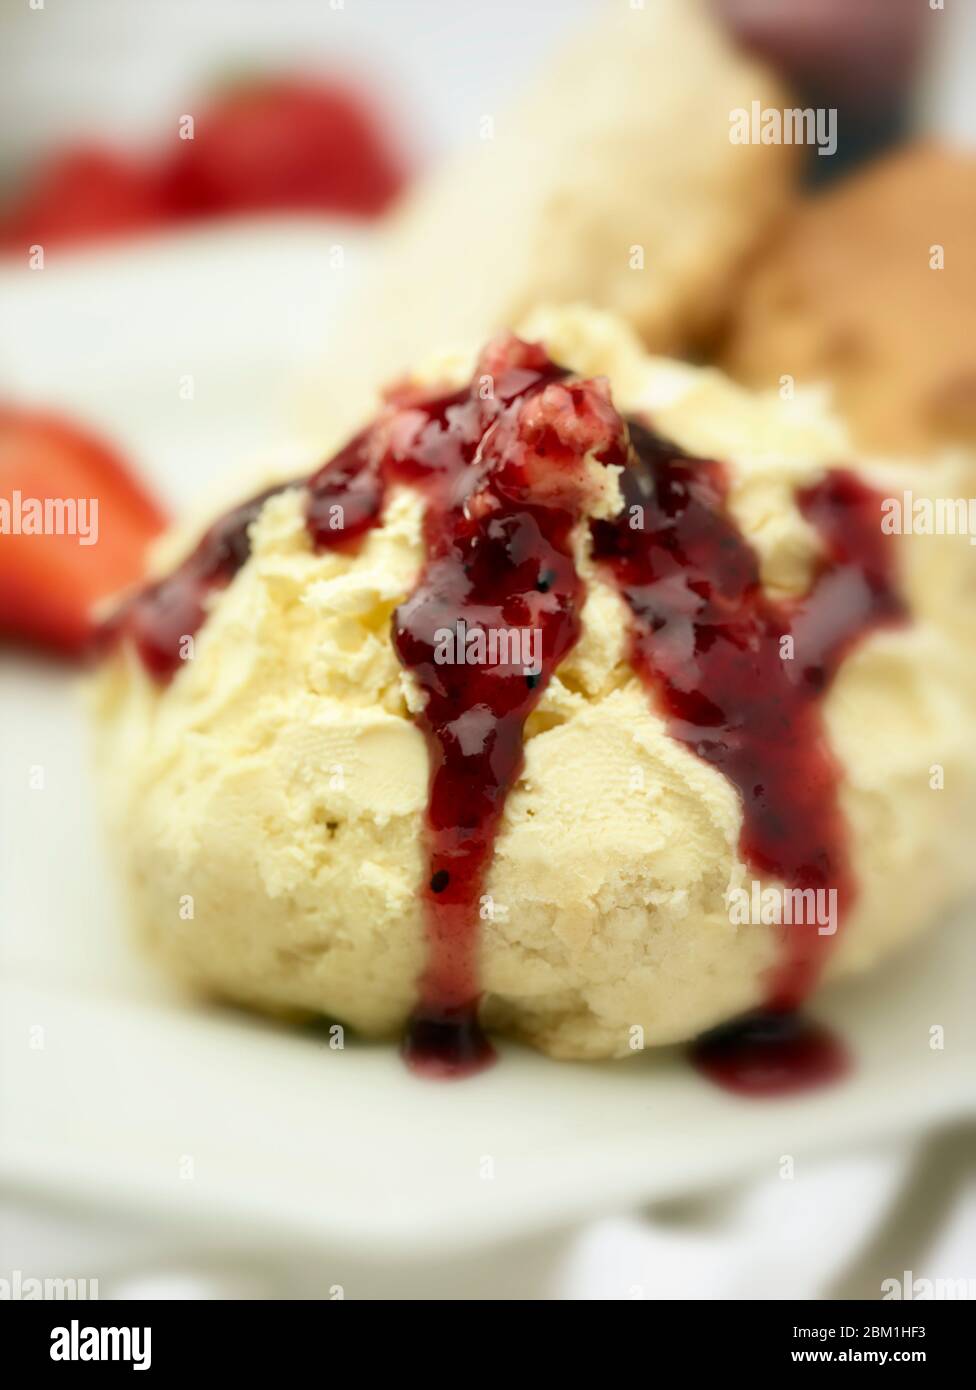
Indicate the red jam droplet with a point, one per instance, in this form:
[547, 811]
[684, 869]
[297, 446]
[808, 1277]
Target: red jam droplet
[447, 1044]
[501, 466]
[770, 1054]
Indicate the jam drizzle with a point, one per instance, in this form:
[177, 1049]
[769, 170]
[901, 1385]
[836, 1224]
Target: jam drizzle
[158, 618]
[499, 560]
[709, 644]
[741, 678]
[502, 468]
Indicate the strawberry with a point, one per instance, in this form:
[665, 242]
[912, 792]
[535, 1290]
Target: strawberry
[51, 476]
[284, 144]
[80, 195]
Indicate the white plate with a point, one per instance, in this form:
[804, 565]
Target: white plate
[115, 1089]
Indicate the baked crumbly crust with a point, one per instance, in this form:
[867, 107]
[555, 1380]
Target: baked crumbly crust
[850, 294]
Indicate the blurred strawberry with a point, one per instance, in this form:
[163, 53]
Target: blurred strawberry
[80, 195]
[285, 144]
[49, 582]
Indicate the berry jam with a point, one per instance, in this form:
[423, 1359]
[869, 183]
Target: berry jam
[507, 487]
[502, 466]
[159, 617]
[740, 678]
[770, 1054]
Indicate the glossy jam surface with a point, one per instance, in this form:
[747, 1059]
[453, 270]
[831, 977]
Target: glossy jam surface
[740, 678]
[507, 486]
[506, 470]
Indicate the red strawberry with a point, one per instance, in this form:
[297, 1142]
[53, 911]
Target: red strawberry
[49, 582]
[80, 195]
[285, 144]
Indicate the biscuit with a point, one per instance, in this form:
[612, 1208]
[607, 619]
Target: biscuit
[872, 287]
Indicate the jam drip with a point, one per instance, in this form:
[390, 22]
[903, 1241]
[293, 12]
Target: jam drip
[770, 1054]
[507, 485]
[710, 646]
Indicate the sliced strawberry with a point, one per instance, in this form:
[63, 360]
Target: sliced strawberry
[49, 582]
[285, 144]
[81, 195]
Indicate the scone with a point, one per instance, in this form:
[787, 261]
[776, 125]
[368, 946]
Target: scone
[613, 180]
[520, 710]
[872, 287]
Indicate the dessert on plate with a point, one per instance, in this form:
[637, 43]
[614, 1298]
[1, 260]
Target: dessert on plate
[515, 712]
